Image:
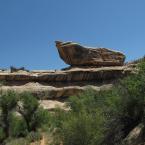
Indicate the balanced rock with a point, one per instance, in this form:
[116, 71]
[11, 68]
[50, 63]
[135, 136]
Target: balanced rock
[76, 55]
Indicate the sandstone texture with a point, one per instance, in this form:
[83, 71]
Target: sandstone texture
[62, 83]
[49, 92]
[97, 69]
[136, 136]
[69, 76]
[75, 54]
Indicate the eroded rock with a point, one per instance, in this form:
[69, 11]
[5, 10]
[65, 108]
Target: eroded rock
[135, 137]
[75, 54]
[49, 92]
[72, 75]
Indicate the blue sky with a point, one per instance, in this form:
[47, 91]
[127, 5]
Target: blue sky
[28, 29]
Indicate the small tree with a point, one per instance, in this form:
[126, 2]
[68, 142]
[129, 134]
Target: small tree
[8, 102]
[33, 115]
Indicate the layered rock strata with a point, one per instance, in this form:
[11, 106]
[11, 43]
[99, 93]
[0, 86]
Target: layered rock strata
[97, 69]
[57, 84]
[72, 75]
[75, 54]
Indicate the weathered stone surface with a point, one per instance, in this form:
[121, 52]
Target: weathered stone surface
[49, 92]
[69, 76]
[50, 105]
[62, 83]
[135, 137]
[76, 55]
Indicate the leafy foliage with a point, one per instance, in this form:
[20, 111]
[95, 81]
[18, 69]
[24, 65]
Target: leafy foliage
[105, 117]
[19, 115]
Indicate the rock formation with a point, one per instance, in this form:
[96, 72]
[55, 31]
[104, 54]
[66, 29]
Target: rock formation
[57, 84]
[97, 69]
[136, 136]
[103, 68]
[76, 55]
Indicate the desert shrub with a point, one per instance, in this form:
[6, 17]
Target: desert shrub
[18, 127]
[2, 135]
[83, 124]
[18, 141]
[130, 108]
[34, 136]
[33, 115]
[2, 83]
[105, 117]
[27, 107]
[39, 118]
[20, 114]
[8, 102]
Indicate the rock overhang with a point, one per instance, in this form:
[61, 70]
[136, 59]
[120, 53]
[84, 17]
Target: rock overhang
[75, 54]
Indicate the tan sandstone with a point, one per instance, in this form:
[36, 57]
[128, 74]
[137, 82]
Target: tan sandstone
[75, 54]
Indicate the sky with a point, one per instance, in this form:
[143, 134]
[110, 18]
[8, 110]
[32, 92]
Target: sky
[28, 29]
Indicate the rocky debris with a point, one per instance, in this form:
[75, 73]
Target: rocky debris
[50, 105]
[135, 137]
[75, 54]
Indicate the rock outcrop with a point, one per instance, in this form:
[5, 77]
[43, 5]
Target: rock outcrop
[44, 92]
[62, 83]
[71, 75]
[76, 55]
[89, 68]
[136, 136]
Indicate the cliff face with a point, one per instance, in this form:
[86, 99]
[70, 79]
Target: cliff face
[90, 68]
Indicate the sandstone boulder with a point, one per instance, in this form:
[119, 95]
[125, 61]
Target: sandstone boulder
[76, 55]
[136, 136]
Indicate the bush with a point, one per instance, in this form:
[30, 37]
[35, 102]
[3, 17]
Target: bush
[19, 141]
[19, 115]
[8, 102]
[33, 115]
[18, 127]
[2, 135]
[34, 136]
[83, 124]
[129, 109]
[105, 117]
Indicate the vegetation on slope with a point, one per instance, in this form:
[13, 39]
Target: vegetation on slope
[20, 117]
[105, 117]
[95, 118]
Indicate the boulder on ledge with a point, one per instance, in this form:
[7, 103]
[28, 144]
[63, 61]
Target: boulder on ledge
[76, 55]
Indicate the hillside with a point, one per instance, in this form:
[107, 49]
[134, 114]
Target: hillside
[98, 73]
[96, 69]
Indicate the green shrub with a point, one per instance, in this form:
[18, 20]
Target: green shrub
[8, 102]
[18, 141]
[39, 118]
[2, 83]
[129, 109]
[18, 127]
[34, 136]
[19, 115]
[105, 117]
[2, 135]
[27, 108]
[33, 115]
[83, 124]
